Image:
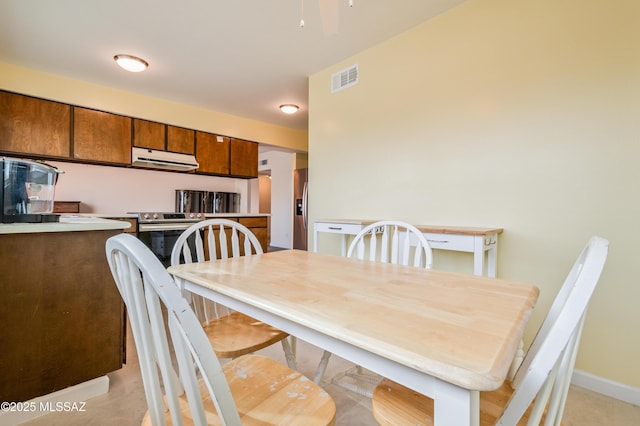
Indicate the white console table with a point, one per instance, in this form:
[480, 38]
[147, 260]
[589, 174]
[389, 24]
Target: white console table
[454, 238]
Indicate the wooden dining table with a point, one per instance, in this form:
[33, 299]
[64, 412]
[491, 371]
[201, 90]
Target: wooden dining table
[444, 334]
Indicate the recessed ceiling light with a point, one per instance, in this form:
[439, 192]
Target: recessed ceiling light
[289, 108]
[131, 63]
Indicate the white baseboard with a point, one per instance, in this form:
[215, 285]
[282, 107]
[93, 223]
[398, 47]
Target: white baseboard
[69, 399]
[606, 387]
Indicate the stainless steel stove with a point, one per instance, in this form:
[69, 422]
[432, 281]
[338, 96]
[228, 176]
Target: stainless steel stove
[159, 231]
[155, 221]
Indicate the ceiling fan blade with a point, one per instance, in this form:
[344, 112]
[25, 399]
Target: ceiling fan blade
[329, 16]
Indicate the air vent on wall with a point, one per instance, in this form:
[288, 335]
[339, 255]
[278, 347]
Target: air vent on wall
[345, 78]
[264, 162]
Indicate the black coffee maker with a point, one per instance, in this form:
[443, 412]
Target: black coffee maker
[27, 191]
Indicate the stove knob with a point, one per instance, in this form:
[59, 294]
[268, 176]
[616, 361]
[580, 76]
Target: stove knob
[198, 215]
[190, 215]
[155, 215]
[145, 216]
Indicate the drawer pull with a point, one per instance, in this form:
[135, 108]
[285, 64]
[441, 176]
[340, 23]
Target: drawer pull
[439, 241]
[335, 228]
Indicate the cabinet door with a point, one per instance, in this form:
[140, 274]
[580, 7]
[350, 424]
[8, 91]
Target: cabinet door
[180, 140]
[244, 158]
[101, 136]
[212, 152]
[148, 134]
[34, 126]
[260, 228]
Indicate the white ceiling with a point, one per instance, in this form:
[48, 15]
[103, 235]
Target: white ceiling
[242, 57]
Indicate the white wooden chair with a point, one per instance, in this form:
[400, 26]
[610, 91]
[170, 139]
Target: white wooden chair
[251, 389]
[386, 241]
[545, 374]
[232, 334]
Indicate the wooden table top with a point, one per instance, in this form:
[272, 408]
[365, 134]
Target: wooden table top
[464, 329]
[435, 229]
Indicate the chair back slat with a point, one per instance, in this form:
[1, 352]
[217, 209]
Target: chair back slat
[222, 238]
[556, 343]
[395, 243]
[145, 285]
[392, 242]
[211, 244]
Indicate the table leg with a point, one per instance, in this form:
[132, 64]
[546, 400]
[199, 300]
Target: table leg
[492, 259]
[478, 255]
[315, 238]
[455, 406]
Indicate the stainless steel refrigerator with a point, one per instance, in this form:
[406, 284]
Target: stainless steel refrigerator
[300, 218]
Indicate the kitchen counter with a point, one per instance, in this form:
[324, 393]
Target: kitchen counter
[67, 224]
[62, 317]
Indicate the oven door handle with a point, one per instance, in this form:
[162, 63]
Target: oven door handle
[150, 227]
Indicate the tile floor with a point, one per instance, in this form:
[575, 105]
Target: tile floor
[125, 403]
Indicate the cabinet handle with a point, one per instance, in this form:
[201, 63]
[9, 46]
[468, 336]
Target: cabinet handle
[335, 228]
[439, 241]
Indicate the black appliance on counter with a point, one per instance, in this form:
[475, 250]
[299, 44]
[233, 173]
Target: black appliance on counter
[27, 191]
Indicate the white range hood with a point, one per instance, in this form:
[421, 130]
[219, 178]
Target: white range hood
[154, 159]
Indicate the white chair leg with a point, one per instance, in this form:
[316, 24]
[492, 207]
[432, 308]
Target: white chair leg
[322, 367]
[289, 354]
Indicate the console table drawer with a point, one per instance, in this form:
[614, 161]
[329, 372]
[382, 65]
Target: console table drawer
[338, 228]
[450, 242]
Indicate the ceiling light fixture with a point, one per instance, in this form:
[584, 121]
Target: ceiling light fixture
[289, 108]
[131, 63]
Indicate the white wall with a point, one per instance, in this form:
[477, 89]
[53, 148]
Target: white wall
[281, 165]
[116, 190]
[515, 114]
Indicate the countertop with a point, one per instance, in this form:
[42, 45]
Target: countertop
[67, 223]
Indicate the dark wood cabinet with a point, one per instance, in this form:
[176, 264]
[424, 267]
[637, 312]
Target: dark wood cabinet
[180, 140]
[244, 158]
[212, 152]
[101, 137]
[61, 313]
[260, 227]
[45, 129]
[34, 126]
[66, 206]
[149, 134]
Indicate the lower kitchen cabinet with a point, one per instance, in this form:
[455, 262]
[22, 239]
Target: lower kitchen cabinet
[61, 316]
[260, 227]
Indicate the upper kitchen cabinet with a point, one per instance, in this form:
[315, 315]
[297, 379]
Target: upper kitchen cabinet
[101, 137]
[212, 152]
[244, 158]
[149, 134]
[33, 126]
[180, 140]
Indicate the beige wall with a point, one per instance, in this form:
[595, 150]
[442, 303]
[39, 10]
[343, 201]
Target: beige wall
[522, 115]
